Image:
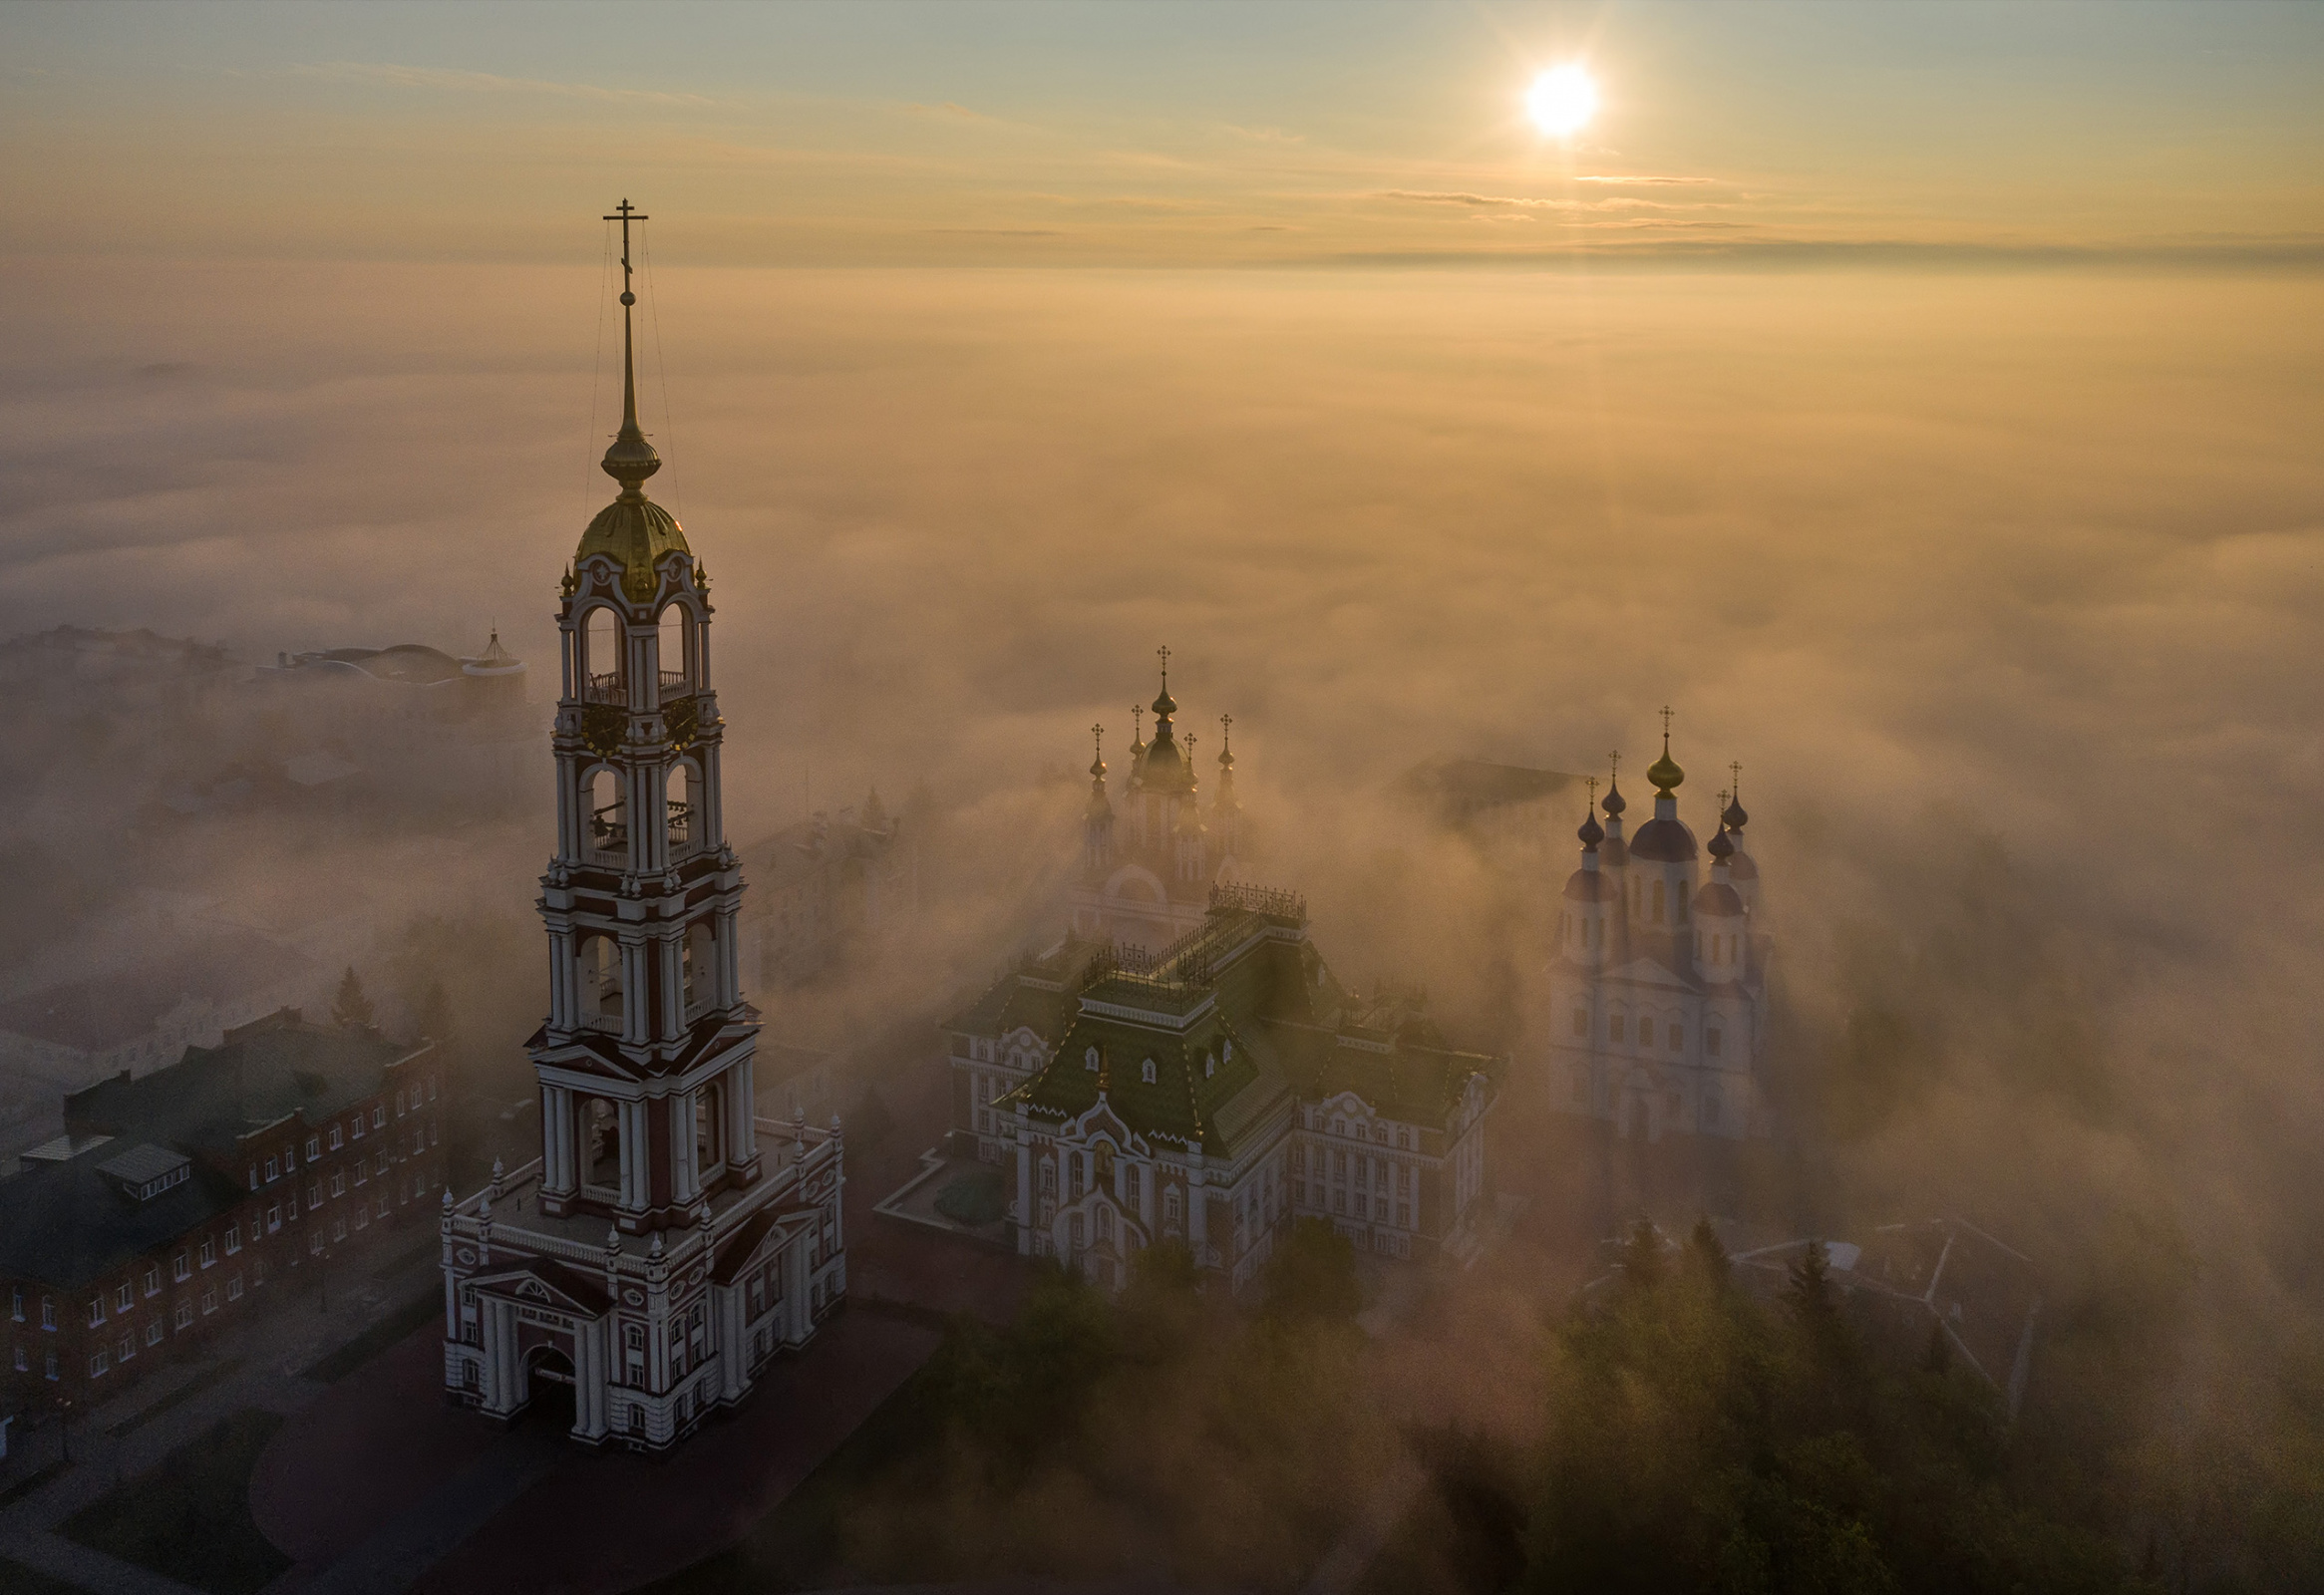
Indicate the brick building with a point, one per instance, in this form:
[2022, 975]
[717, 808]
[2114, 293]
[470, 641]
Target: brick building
[178, 1200]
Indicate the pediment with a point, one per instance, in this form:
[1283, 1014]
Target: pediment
[545, 1284]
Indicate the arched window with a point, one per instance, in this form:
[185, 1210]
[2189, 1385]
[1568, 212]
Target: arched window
[601, 979]
[1645, 1031]
[1656, 913]
[601, 656]
[698, 973]
[709, 1136]
[678, 795]
[1089, 1060]
[607, 824]
[1210, 1065]
[600, 1143]
[677, 671]
[1145, 1072]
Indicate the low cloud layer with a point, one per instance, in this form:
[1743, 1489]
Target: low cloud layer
[2030, 558]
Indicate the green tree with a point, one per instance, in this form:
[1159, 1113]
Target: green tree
[351, 1008]
[1642, 1261]
[1312, 1275]
[1706, 1258]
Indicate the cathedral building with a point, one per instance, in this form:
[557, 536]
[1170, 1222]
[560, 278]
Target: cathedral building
[1147, 867]
[667, 1242]
[1657, 1016]
[1212, 1093]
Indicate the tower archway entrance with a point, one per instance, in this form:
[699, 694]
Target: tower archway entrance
[548, 1384]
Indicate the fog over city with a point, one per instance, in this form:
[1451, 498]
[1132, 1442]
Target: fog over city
[1999, 586]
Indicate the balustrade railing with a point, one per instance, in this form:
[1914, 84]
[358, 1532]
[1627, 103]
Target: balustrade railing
[605, 689]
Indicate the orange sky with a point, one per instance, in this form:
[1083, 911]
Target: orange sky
[1168, 134]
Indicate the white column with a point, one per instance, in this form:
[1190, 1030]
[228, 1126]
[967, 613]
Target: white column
[685, 1177]
[730, 969]
[636, 1166]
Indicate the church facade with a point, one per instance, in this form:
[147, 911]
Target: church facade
[1657, 993]
[1146, 867]
[1210, 1093]
[667, 1242]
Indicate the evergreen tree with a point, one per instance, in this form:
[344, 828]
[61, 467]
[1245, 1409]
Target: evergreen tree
[1642, 1266]
[350, 1009]
[1312, 1275]
[1706, 1257]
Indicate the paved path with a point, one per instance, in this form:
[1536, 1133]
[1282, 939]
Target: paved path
[76, 1563]
[394, 1558]
[264, 1361]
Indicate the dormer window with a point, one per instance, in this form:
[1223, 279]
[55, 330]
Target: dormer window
[1089, 1060]
[1210, 1065]
[1146, 1070]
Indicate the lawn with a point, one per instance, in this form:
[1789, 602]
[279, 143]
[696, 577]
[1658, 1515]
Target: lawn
[190, 1517]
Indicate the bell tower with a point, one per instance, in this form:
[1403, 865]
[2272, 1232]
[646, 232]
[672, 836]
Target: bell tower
[645, 1061]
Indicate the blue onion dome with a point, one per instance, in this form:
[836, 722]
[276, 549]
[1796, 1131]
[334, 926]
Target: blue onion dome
[1612, 803]
[1734, 818]
[1718, 900]
[1722, 846]
[1592, 832]
[1591, 887]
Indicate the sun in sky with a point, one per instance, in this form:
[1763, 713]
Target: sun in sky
[1562, 99]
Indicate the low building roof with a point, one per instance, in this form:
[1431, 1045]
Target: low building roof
[215, 1095]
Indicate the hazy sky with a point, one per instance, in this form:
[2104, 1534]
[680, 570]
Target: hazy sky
[1161, 133]
[305, 305]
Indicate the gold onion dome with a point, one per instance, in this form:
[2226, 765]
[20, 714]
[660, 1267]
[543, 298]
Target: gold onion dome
[1664, 771]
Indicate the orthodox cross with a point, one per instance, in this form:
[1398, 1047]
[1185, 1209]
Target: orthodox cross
[1137, 721]
[1593, 791]
[1735, 770]
[1666, 723]
[1098, 735]
[1165, 654]
[1225, 728]
[625, 213]
[1615, 759]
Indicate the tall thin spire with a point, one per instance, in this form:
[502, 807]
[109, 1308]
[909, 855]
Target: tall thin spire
[631, 458]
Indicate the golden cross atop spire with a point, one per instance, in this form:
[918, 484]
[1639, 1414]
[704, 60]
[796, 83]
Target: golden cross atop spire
[1225, 725]
[1615, 759]
[1164, 653]
[631, 458]
[1666, 728]
[1592, 783]
[1735, 770]
[1098, 735]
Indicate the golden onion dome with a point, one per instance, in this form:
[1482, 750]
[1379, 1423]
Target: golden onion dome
[635, 533]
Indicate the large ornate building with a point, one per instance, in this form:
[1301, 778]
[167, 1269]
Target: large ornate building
[1657, 1017]
[666, 1242]
[1147, 867]
[1212, 1093]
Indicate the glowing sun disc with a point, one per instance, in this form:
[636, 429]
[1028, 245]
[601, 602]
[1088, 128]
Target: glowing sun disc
[1561, 100]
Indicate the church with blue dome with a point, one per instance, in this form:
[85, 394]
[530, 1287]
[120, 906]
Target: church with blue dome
[1657, 1005]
